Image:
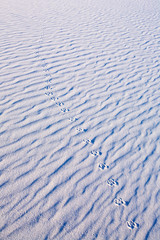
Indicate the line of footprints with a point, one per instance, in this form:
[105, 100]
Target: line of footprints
[102, 166]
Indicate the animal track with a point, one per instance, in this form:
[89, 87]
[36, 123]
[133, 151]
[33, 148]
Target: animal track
[73, 119]
[119, 201]
[96, 153]
[48, 87]
[111, 182]
[81, 129]
[46, 70]
[103, 166]
[54, 98]
[59, 104]
[64, 110]
[88, 141]
[49, 93]
[49, 80]
[131, 224]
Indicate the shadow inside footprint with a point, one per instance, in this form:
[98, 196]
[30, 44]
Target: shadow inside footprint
[127, 203]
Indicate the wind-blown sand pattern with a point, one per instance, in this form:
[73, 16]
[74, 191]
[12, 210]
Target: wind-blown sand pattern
[80, 119]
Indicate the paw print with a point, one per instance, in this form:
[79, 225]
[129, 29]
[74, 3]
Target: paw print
[88, 141]
[54, 98]
[73, 119]
[111, 182]
[131, 224]
[95, 153]
[103, 166]
[48, 87]
[119, 201]
[81, 129]
[64, 110]
[59, 104]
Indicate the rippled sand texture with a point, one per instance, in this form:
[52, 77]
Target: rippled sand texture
[80, 119]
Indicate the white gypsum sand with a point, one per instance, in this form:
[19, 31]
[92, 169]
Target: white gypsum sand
[80, 119]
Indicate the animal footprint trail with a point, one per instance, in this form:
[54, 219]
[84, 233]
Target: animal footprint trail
[49, 88]
[96, 153]
[48, 75]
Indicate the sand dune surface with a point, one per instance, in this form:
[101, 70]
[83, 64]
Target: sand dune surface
[80, 119]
